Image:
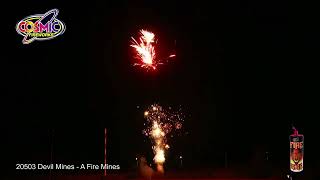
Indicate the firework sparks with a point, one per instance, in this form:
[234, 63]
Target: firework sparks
[145, 49]
[160, 123]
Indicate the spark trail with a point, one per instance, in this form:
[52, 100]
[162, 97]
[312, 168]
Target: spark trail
[160, 124]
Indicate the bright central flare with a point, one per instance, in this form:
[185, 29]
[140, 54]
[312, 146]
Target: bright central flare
[160, 123]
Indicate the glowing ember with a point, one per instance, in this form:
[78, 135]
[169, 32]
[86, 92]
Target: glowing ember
[145, 50]
[160, 123]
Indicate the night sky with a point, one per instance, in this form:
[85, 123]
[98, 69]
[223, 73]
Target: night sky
[244, 74]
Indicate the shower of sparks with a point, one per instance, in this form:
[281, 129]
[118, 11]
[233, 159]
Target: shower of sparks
[145, 49]
[160, 123]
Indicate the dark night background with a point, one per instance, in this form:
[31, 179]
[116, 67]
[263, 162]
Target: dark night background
[244, 73]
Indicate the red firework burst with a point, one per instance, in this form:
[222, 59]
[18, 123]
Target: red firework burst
[145, 50]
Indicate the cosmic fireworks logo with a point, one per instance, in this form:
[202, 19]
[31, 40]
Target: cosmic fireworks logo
[40, 27]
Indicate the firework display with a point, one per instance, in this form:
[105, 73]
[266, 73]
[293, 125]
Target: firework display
[296, 151]
[161, 122]
[146, 51]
